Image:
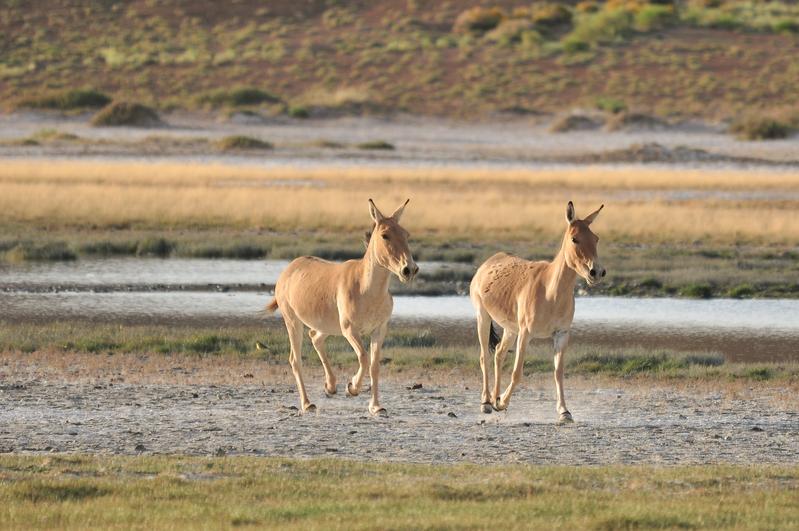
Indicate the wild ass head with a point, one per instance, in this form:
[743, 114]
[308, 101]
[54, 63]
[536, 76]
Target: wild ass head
[388, 243]
[579, 246]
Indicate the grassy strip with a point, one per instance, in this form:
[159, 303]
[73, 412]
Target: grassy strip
[73, 492]
[405, 348]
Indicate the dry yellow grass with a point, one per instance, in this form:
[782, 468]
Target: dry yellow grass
[445, 201]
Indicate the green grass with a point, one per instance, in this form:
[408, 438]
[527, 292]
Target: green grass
[237, 97]
[76, 491]
[406, 348]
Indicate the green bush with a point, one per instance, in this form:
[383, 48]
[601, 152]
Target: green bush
[123, 113]
[298, 111]
[607, 25]
[653, 17]
[741, 291]
[611, 105]
[159, 247]
[697, 291]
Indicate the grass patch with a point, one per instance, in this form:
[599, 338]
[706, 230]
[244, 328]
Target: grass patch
[238, 97]
[34, 252]
[241, 142]
[760, 128]
[67, 100]
[122, 113]
[697, 291]
[574, 122]
[376, 145]
[237, 491]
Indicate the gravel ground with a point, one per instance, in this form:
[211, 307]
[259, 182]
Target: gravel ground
[163, 405]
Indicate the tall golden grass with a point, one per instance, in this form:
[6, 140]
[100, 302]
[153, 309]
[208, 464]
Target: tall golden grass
[450, 202]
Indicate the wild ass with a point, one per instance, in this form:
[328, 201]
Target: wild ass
[532, 300]
[346, 299]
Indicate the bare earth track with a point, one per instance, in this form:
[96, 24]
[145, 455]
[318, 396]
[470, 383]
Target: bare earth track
[177, 408]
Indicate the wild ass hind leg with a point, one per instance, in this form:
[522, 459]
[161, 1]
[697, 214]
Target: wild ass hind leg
[484, 334]
[518, 370]
[354, 385]
[318, 341]
[508, 338]
[561, 341]
[374, 369]
[294, 327]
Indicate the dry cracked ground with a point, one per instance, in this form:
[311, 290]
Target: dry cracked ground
[174, 405]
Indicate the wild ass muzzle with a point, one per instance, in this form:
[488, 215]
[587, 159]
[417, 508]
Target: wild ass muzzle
[532, 300]
[345, 299]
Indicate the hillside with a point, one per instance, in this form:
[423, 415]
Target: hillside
[712, 60]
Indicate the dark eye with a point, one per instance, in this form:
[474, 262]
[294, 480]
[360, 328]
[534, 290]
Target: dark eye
[385, 236]
[574, 240]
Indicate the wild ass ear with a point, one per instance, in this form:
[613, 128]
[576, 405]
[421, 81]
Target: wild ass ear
[592, 216]
[398, 213]
[377, 216]
[570, 215]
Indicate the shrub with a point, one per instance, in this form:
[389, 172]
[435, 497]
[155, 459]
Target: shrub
[741, 291]
[238, 97]
[478, 20]
[375, 144]
[513, 31]
[298, 111]
[610, 105]
[67, 100]
[760, 128]
[654, 17]
[123, 113]
[697, 291]
[786, 26]
[548, 14]
[607, 25]
[625, 120]
[234, 142]
[574, 122]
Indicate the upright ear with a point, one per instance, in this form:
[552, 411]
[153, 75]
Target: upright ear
[570, 215]
[398, 213]
[377, 216]
[592, 216]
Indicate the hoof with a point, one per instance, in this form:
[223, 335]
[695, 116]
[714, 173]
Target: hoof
[379, 412]
[330, 391]
[486, 407]
[310, 408]
[499, 406]
[351, 390]
[565, 418]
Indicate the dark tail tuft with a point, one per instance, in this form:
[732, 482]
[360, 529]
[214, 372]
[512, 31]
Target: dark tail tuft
[493, 338]
[272, 306]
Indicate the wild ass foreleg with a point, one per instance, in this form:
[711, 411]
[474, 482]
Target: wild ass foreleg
[294, 328]
[374, 368]
[508, 338]
[518, 370]
[561, 341]
[318, 340]
[483, 333]
[354, 385]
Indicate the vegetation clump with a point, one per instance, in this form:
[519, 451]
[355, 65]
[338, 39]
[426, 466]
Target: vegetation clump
[68, 100]
[574, 122]
[760, 128]
[478, 20]
[122, 113]
[238, 97]
[241, 142]
[376, 145]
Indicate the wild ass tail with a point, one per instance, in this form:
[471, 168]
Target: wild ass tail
[493, 338]
[272, 306]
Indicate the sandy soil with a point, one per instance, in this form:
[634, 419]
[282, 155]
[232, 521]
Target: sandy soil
[205, 406]
[503, 141]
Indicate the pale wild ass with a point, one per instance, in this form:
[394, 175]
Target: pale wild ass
[345, 299]
[532, 300]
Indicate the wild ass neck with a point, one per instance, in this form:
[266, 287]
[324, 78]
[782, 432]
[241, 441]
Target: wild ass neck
[560, 278]
[374, 277]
